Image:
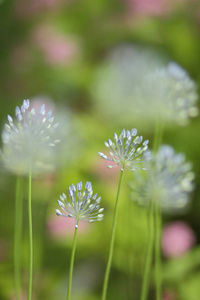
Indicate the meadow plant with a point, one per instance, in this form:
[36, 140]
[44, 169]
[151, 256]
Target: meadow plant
[28, 150]
[28, 142]
[128, 151]
[137, 79]
[82, 206]
[166, 186]
[169, 181]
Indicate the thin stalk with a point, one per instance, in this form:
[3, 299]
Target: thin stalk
[30, 238]
[149, 255]
[107, 273]
[18, 236]
[158, 272]
[159, 129]
[72, 262]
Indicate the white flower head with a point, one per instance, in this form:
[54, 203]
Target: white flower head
[149, 87]
[128, 150]
[169, 181]
[28, 141]
[81, 205]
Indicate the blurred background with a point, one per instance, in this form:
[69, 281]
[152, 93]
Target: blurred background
[62, 53]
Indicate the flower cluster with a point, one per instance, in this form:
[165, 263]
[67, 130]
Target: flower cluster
[169, 181]
[127, 150]
[28, 142]
[151, 89]
[82, 205]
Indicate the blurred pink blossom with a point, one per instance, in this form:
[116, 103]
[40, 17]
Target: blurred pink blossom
[154, 7]
[168, 295]
[25, 8]
[60, 227]
[57, 48]
[177, 239]
[146, 7]
[22, 296]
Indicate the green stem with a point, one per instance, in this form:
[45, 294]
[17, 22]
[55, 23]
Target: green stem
[106, 278]
[159, 129]
[18, 236]
[158, 272]
[149, 255]
[72, 262]
[30, 238]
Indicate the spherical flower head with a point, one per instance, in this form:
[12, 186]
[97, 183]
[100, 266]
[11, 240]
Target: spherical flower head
[28, 143]
[128, 150]
[81, 205]
[169, 181]
[150, 88]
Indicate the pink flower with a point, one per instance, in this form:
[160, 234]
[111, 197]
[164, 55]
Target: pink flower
[177, 239]
[146, 7]
[168, 295]
[22, 296]
[25, 8]
[154, 7]
[57, 48]
[62, 227]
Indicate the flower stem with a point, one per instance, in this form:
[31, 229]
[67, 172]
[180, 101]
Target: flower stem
[158, 273]
[30, 238]
[106, 278]
[149, 255]
[72, 262]
[159, 128]
[18, 235]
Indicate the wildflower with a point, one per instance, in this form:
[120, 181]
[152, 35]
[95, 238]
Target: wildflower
[82, 205]
[177, 238]
[150, 88]
[28, 142]
[128, 150]
[169, 181]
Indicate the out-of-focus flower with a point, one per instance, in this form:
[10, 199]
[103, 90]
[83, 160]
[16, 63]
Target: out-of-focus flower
[28, 7]
[177, 239]
[60, 227]
[22, 296]
[154, 8]
[146, 7]
[135, 84]
[82, 205]
[57, 48]
[28, 142]
[168, 295]
[169, 181]
[127, 151]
